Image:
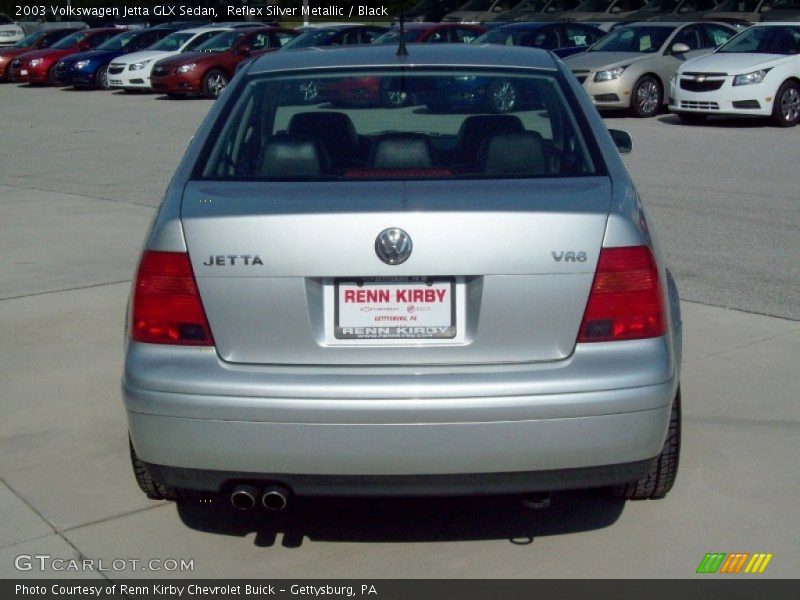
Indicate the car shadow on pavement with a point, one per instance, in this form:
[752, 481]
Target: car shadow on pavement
[374, 520]
[720, 122]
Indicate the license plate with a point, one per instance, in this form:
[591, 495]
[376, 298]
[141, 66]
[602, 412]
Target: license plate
[391, 308]
[23, 71]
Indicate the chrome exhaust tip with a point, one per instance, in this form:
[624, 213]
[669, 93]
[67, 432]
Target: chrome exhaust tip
[243, 497]
[275, 498]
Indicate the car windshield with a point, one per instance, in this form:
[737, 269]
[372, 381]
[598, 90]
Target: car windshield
[532, 5]
[391, 37]
[742, 6]
[642, 39]
[273, 132]
[660, 6]
[172, 42]
[70, 41]
[30, 39]
[477, 5]
[510, 36]
[773, 39]
[118, 42]
[199, 40]
[314, 37]
[221, 42]
[786, 4]
[594, 6]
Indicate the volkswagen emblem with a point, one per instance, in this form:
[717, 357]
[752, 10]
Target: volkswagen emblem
[393, 246]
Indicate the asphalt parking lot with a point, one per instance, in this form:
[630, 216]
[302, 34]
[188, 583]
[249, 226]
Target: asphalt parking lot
[80, 175]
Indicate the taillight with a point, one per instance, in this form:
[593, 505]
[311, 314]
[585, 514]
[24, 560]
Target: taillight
[625, 302]
[166, 306]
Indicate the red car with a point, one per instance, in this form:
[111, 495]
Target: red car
[36, 67]
[38, 40]
[369, 90]
[209, 70]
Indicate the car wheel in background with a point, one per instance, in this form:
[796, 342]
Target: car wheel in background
[661, 477]
[307, 90]
[101, 78]
[694, 118]
[51, 76]
[394, 98]
[213, 83]
[152, 489]
[786, 109]
[646, 97]
[502, 96]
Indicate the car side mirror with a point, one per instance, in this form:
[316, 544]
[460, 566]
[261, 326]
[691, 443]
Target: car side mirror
[622, 140]
[244, 50]
[679, 48]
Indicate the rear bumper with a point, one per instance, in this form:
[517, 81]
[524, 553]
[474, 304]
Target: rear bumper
[453, 430]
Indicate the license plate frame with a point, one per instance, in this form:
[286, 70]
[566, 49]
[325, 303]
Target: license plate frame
[409, 329]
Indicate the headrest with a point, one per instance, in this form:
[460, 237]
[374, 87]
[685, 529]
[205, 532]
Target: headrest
[294, 157]
[401, 151]
[477, 128]
[334, 129]
[515, 154]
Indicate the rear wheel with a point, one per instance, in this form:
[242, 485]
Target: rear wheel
[646, 97]
[786, 109]
[693, 118]
[101, 78]
[502, 96]
[213, 83]
[661, 477]
[152, 489]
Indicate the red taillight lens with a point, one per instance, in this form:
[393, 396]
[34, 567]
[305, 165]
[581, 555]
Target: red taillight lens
[625, 302]
[166, 306]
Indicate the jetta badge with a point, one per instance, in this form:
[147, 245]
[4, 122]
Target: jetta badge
[393, 246]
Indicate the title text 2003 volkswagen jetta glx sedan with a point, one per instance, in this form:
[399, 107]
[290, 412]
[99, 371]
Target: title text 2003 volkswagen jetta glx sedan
[401, 302]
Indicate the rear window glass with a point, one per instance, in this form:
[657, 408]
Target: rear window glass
[413, 124]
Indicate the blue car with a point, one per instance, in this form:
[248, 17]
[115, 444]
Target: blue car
[501, 95]
[90, 69]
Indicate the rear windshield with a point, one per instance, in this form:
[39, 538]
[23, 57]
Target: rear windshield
[410, 124]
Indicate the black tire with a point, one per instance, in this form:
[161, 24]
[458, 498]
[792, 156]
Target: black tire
[786, 109]
[659, 481]
[51, 76]
[647, 97]
[101, 79]
[394, 98]
[502, 97]
[151, 488]
[213, 83]
[693, 118]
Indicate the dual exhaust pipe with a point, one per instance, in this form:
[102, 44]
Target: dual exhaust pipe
[273, 498]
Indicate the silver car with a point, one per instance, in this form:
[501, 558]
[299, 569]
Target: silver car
[397, 302]
[632, 66]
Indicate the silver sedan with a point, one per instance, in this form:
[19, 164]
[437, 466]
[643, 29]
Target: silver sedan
[398, 301]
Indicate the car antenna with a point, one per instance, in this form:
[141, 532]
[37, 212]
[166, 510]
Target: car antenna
[401, 46]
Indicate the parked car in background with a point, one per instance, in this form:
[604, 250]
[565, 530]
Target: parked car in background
[371, 91]
[10, 32]
[563, 39]
[32, 24]
[536, 10]
[544, 356]
[429, 10]
[757, 73]
[632, 66]
[782, 10]
[750, 11]
[34, 41]
[90, 69]
[672, 11]
[131, 72]
[607, 11]
[337, 35]
[209, 68]
[478, 11]
[38, 66]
